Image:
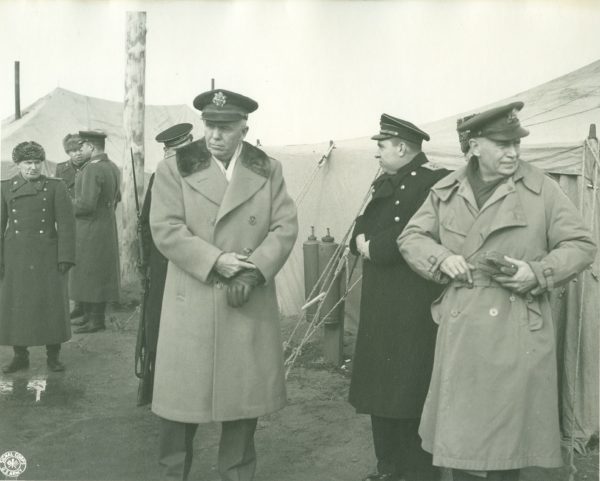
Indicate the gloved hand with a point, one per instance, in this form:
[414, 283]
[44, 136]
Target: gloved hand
[495, 264]
[63, 267]
[241, 285]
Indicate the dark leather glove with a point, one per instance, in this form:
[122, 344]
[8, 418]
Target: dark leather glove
[494, 263]
[241, 285]
[63, 267]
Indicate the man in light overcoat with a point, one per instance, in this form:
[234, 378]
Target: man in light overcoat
[222, 217]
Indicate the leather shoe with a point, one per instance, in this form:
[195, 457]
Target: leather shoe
[90, 327]
[16, 364]
[80, 322]
[55, 365]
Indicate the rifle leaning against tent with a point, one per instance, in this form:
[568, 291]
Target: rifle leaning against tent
[142, 360]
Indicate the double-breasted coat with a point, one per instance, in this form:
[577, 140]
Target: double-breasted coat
[215, 362]
[493, 401]
[96, 275]
[37, 232]
[396, 335]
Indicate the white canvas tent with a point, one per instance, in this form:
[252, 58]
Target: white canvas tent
[558, 115]
[60, 112]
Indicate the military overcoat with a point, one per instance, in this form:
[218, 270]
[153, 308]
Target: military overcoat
[96, 275]
[215, 362]
[67, 172]
[37, 232]
[396, 335]
[493, 400]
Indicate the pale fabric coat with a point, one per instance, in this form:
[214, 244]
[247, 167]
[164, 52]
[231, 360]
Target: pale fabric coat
[493, 401]
[215, 362]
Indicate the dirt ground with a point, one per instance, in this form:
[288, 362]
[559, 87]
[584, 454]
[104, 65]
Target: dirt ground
[86, 426]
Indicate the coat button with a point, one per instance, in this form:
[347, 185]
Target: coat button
[14, 210]
[252, 220]
[397, 202]
[413, 173]
[41, 232]
[16, 232]
[45, 189]
[44, 209]
[44, 198]
[218, 285]
[511, 298]
[396, 219]
[402, 187]
[493, 312]
[43, 220]
[15, 221]
[454, 313]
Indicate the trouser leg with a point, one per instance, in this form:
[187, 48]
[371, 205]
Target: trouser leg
[384, 442]
[237, 456]
[176, 447]
[417, 463]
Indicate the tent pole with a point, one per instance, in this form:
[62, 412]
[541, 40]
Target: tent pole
[133, 125]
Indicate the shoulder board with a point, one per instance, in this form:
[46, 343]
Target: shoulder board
[49, 177]
[95, 161]
[431, 166]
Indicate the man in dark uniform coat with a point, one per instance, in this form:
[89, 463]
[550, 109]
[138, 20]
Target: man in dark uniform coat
[37, 248]
[154, 269]
[396, 335]
[67, 171]
[95, 278]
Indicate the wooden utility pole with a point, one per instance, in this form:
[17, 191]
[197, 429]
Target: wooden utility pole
[17, 91]
[133, 124]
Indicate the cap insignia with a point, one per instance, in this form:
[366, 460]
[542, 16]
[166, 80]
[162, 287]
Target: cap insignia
[219, 99]
[512, 117]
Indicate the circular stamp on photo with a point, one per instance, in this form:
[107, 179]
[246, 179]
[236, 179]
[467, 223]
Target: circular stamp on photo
[12, 464]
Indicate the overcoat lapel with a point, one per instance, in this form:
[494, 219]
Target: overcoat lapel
[244, 184]
[20, 187]
[210, 182]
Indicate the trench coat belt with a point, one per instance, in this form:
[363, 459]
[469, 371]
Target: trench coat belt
[482, 279]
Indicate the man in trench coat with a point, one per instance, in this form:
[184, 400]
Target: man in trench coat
[500, 234]
[222, 216]
[95, 279]
[396, 335]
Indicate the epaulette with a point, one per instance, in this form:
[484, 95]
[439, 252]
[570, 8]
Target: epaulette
[432, 166]
[95, 161]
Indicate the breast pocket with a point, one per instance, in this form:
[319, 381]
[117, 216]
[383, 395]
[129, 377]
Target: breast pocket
[452, 233]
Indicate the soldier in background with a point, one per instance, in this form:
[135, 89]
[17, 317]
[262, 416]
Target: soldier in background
[37, 249]
[154, 270]
[67, 171]
[95, 279]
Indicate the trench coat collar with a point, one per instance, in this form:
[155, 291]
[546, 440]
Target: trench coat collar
[19, 186]
[502, 210]
[531, 177]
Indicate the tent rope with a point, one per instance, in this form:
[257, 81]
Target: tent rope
[572, 468]
[306, 186]
[335, 265]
